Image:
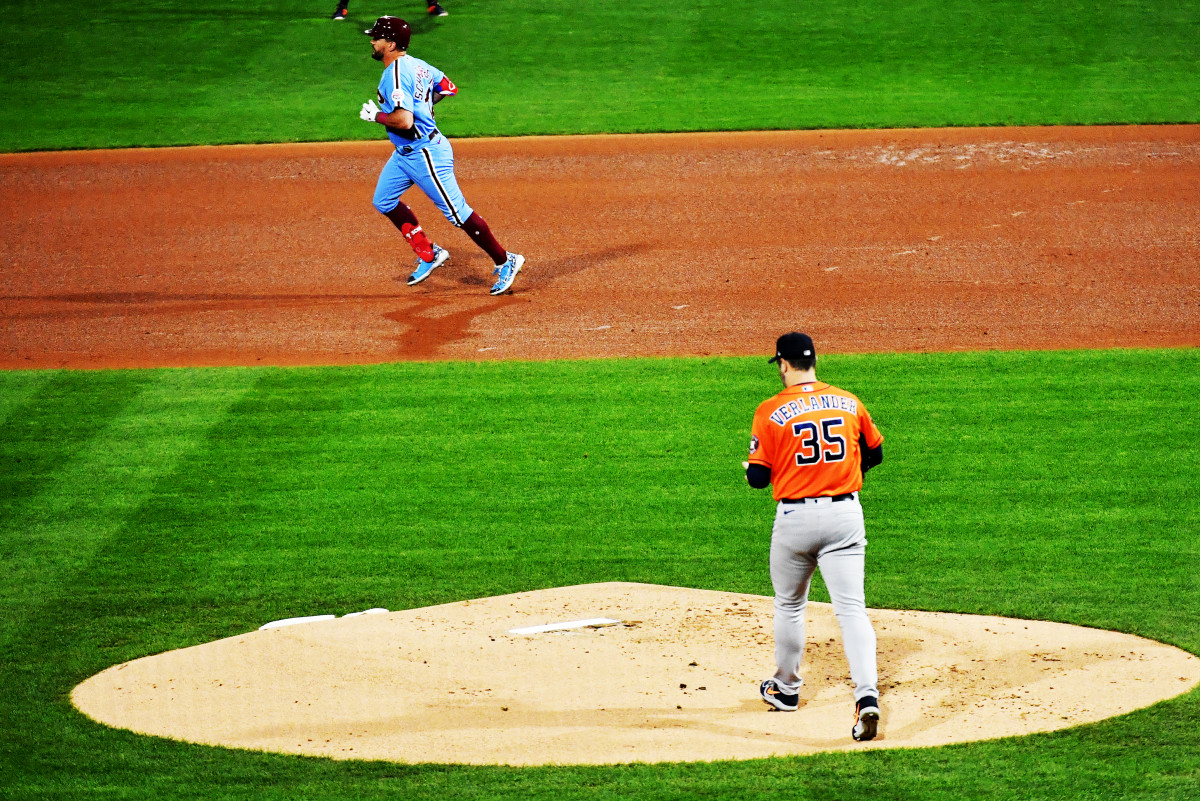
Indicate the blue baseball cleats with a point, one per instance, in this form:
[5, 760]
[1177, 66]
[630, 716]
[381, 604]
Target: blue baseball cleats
[424, 268]
[508, 273]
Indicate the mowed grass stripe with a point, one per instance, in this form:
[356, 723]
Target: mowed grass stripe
[81, 458]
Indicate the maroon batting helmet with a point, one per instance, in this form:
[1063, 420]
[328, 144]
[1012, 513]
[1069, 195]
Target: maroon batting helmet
[393, 29]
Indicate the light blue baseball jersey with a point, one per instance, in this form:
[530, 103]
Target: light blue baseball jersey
[410, 83]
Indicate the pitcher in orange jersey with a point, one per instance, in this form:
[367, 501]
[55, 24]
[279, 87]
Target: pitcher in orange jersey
[814, 443]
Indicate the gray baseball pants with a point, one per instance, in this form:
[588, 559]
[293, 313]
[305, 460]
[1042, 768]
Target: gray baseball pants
[830, 535]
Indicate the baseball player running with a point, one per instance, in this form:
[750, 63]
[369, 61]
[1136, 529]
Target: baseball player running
[407, 93]
[814, 442]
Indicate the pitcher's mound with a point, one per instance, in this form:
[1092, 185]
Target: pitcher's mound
[674, 678]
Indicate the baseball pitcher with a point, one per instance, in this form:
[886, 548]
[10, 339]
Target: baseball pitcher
[813, 443]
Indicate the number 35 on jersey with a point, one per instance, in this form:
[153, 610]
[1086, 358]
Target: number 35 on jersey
[808, 435]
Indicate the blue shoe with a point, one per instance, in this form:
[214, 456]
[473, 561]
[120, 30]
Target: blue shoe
[508, 273]
[424, 268]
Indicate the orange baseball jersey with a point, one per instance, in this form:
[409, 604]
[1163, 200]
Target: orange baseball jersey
[808, 436]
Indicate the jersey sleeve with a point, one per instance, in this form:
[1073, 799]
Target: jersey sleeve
[759, 440]
[402, 95]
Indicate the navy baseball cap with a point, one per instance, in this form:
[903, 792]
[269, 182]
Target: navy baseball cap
[794, 347]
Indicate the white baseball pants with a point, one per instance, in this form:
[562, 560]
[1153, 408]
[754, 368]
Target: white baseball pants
[830, 535]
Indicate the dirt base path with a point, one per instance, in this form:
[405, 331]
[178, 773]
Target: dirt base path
[695, 244]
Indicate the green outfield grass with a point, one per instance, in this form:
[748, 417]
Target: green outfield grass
[148, 510]
[161, 72]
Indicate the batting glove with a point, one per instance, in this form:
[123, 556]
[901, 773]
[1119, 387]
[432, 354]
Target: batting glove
[369, 111]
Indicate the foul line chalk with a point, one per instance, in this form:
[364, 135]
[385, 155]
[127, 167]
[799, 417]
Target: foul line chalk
[594, 622]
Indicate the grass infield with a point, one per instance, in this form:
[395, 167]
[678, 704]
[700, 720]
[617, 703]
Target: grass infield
[160, 72]
[148, 510]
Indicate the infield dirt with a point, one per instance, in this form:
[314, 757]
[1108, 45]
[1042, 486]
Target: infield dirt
[689, 244]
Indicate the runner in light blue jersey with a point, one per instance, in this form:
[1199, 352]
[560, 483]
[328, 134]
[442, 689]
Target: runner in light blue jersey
[407, 93]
